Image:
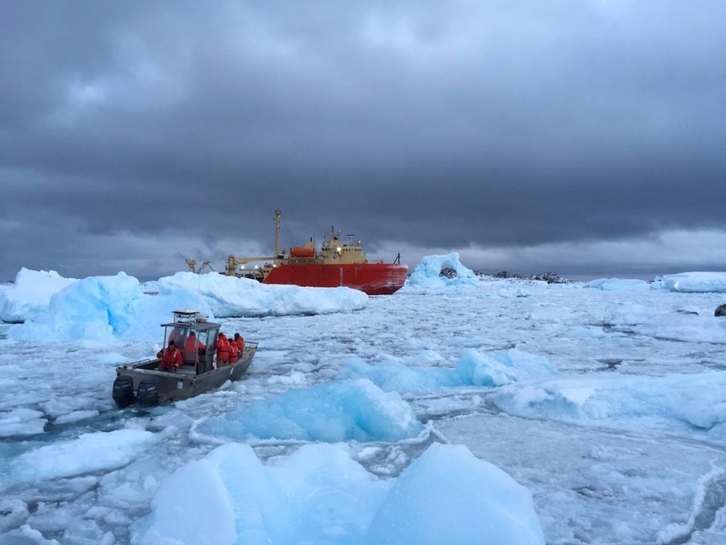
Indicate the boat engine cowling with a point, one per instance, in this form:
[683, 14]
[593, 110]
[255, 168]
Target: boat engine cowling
[123, 391]
[147, 394]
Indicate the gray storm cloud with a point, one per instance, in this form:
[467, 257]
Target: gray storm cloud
[429, 125]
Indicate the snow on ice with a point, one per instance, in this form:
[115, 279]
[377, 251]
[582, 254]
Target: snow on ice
[459, 410]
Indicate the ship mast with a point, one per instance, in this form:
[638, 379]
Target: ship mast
[278, 213]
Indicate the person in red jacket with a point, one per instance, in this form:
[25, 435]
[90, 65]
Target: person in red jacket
[192, 348]
[240, 342]
[233, 352]
[171, 358]
[222, 350]
[176, 335]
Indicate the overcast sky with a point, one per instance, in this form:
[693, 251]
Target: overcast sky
[584, 137]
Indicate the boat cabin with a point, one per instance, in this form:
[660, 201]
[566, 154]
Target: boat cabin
[194, 336]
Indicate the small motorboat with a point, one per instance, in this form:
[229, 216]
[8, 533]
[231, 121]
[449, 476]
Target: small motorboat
[145, 383]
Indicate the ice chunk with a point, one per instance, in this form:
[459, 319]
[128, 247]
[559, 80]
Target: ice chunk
[502, 367]
[354, 410]
[29, 296]
[230, 487]
[489, 369]
[21, 422]
[450, 496]
[89, 452]
[319, 495]
[427, 273]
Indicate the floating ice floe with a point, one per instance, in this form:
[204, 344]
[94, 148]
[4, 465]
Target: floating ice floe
[89, 452]
[353, 410]
[694, 400]
[487, 369]
[320, 495]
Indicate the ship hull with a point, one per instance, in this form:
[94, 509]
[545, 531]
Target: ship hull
[371, 278]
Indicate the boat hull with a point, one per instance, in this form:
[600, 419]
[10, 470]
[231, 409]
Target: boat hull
[371, 278]
[185, 382]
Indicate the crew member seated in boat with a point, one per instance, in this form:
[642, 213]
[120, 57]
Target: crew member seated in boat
[222, 350]
[192, 347]
[240, 342]
[176, 335]
[233, 352]
[171, 358]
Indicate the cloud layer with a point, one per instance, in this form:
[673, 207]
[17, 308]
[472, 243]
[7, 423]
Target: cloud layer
[134, 134]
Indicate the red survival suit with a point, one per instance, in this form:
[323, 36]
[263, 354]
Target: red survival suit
[192, 347]
[171, 358]
[240, 342]
[222, 350]
[233, 352]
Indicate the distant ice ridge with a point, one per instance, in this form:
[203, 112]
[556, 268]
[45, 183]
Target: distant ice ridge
[28, 297]
[230, 297]
[427, 274]
[320, 495]
[102, 308]
[688, 282]
[692, 282]
[618, 284]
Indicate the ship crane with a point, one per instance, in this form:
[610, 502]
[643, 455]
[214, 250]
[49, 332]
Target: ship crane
[237, 266]
[192, 264]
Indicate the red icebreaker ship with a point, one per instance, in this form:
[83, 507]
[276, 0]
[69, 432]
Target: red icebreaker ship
[336, 264]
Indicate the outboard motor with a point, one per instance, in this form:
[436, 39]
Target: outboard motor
[147, 393]
[123, 391]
